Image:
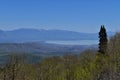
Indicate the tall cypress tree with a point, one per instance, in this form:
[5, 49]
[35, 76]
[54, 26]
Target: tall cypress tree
[102, 40]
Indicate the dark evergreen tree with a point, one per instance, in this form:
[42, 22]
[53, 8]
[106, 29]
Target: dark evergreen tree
[102, 40]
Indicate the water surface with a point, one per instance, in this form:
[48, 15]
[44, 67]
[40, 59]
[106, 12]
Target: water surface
[76, 42]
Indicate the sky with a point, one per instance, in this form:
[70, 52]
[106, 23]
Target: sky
[73, 15]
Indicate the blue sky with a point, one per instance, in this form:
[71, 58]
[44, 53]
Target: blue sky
[74, 15]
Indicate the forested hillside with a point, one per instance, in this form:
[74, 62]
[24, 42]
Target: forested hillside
[42, 48]
[89, 65]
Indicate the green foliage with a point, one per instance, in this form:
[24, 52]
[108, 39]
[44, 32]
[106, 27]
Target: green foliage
[102, 40]
[90, 65]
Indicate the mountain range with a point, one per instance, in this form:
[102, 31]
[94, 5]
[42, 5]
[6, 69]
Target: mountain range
[32, 43]
[34, 35]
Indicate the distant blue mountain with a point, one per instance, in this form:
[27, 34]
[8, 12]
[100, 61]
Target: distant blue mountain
[34, 35]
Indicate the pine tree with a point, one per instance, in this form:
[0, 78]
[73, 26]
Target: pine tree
[102, 40]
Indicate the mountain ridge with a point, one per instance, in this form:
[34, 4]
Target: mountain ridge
[33, 35]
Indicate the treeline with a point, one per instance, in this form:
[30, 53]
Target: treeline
[89, 65]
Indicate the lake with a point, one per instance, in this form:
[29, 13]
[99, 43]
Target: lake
[76, 42]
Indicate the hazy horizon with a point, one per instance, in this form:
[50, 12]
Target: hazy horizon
[48, 30]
